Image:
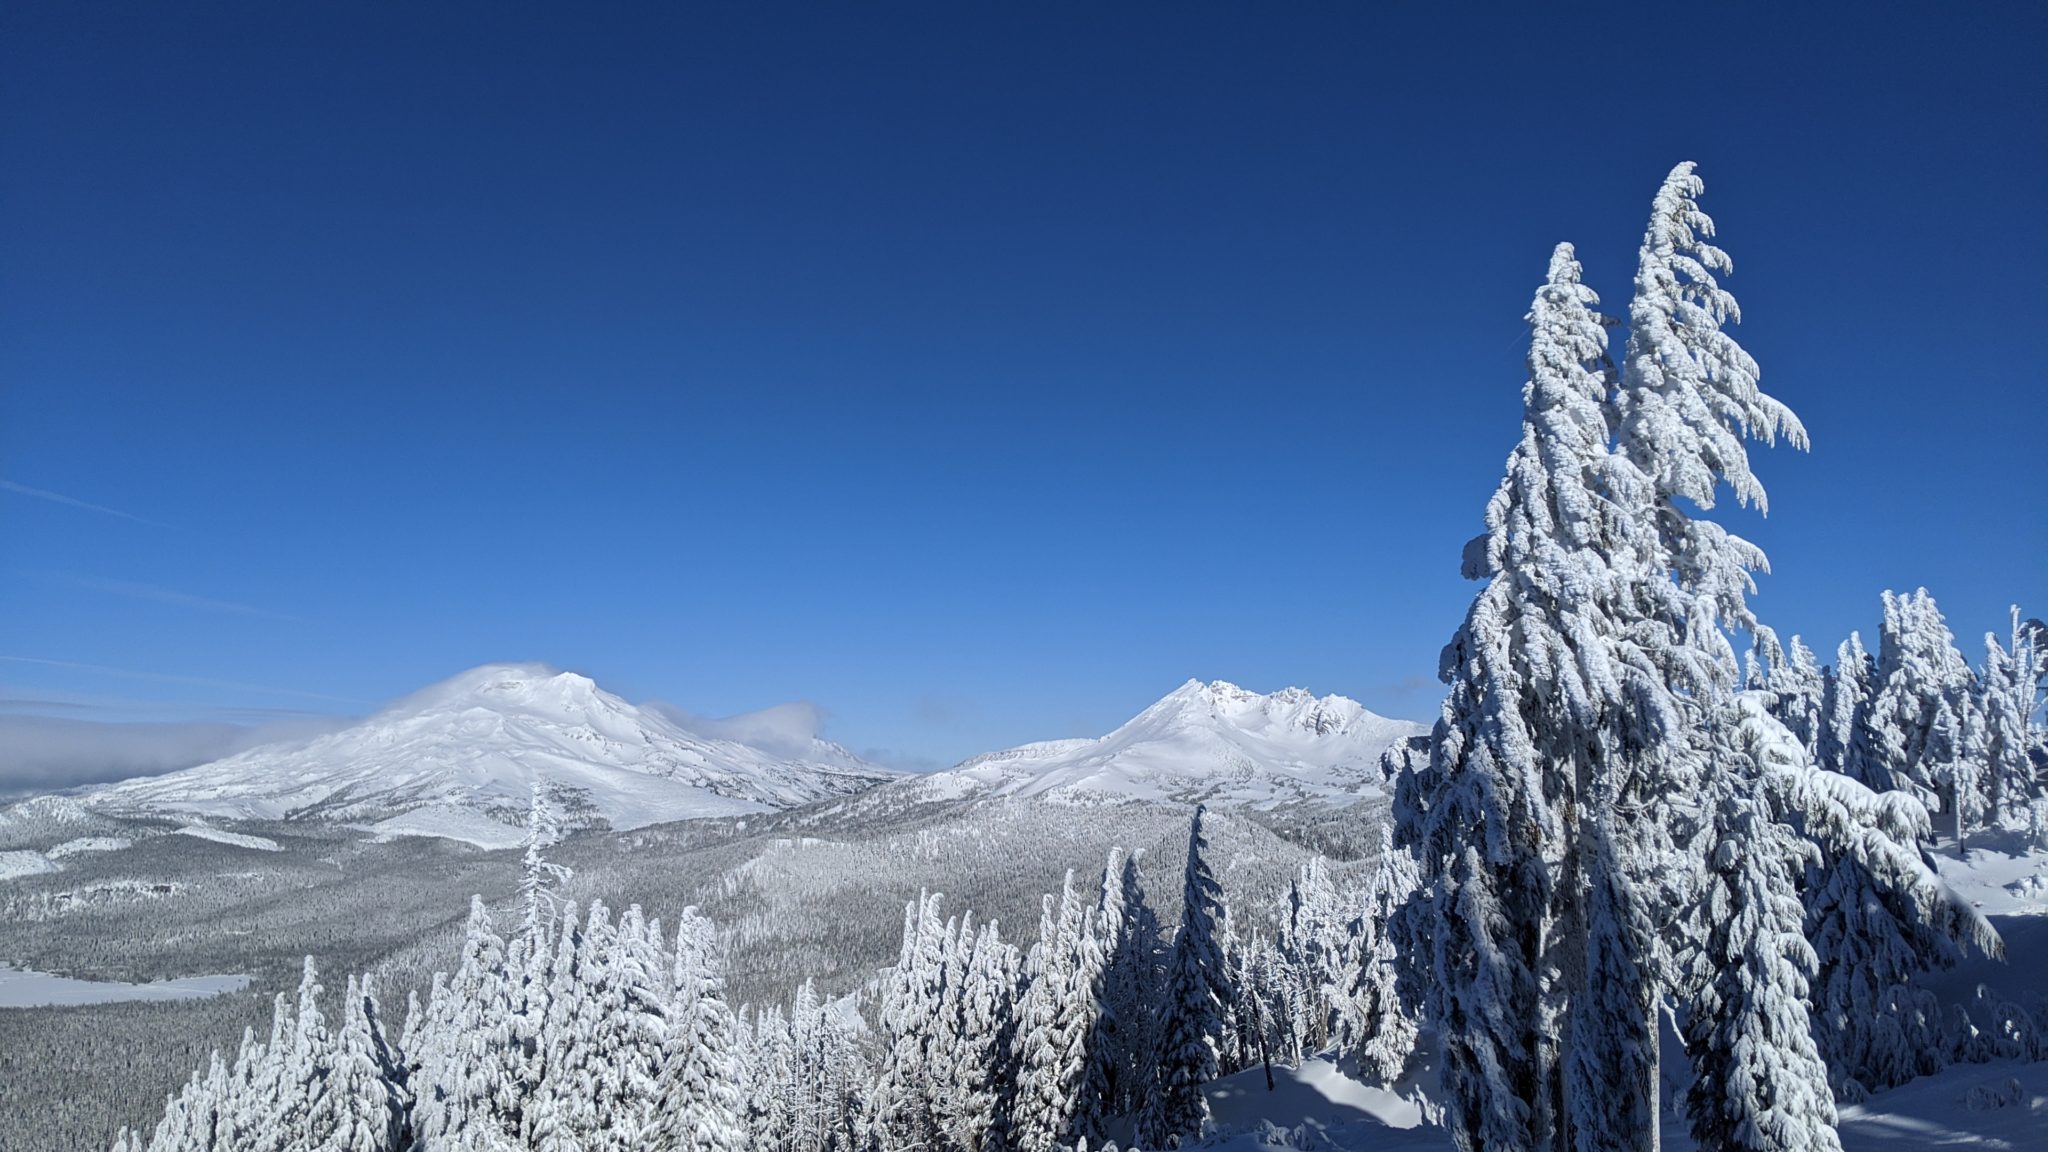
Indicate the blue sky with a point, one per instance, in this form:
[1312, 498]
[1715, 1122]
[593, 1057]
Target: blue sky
[975, 372]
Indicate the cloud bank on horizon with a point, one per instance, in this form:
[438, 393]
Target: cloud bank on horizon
[53, 753]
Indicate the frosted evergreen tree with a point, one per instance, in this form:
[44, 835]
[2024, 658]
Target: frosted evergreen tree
[1919, 673]
[1846, 743]
[982, 1063]
[906, 1113]
[1061, 1006]
[767, 1050]
[1319, 942]
[1133, 987]
[458, 1058]
[1759, 1084]
[1610, 1092]
[2008, 695]
[1798, 691]
[304, 1088]
[632, 1020]
[1113, 1019]
[577, 1046]
[1877, 915]
[1531, 686]
[700, 1109]
[363, 1109]
[1193, 1017]
[562, 1088]
[539, 875]
[1687, 402]
[1377, 1022]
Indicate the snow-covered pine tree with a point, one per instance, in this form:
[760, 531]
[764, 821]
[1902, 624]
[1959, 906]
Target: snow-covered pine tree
[559, 1094]
[363, 1110]
[578, 1056]
[983, 1067]
[1193, 1014]
[1919, 672]
[529, 962]
[1234, 1045]
[1877, 914]
[1061, 1005]
[458, 1060]
[1378, 1023]
[632, 1019]
[539, 875]
[1610, 1091]
[1687, 402]
[1531, 685]
[1319, 942]
[906, 1112]
[307, 1066]
[1797, 691]
[1847, 742]
[762, 1041]
[1759, 1084]
[946, 1044]
[1133, 986]
[699, 1107]
[2009, 691]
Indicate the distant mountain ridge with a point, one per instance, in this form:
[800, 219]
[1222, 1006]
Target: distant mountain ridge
[459, 759]
[1213, 743]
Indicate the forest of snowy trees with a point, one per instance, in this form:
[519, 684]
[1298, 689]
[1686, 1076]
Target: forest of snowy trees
[1639, 813]
[581, 1030]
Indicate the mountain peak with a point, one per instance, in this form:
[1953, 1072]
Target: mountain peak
[500, 687]
[459, 758]
[1213, 742]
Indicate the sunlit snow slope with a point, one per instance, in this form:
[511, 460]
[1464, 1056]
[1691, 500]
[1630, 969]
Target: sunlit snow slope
[1214, 743]
[459, 759]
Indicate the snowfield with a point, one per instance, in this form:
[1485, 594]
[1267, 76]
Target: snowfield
[19, 989]
[237, 839]
[13, 864]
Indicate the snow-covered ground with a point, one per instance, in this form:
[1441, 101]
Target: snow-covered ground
[1317, 1106]
[13, 864]
[89, 844]
[221, 836]
[19, 989]
[2001, 1107]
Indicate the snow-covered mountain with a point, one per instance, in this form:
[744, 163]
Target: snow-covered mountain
[1215, 743]
[459, 759]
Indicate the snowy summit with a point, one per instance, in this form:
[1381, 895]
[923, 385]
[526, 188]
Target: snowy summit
[459, 759]
[1213, 743]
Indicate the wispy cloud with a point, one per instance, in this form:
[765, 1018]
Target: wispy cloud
[74, 502]
[784, 729]
[46, 754]
[136, 590]
[172, 678]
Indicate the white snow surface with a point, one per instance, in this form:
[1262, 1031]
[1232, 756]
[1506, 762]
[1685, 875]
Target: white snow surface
[90, 844]
[1997, 1107]
[1215, 743]
[23, 989]
[237, 839]
[471, 747]
[13, 864]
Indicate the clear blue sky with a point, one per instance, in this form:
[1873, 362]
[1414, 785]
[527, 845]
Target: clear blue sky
[978, 372]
